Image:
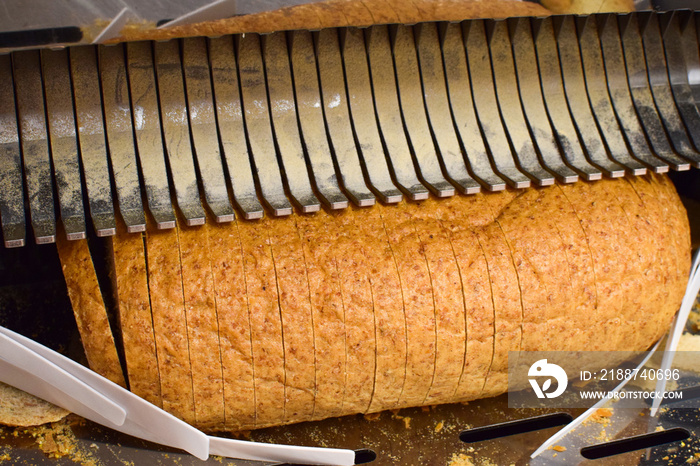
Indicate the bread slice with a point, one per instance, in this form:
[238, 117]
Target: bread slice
[170, 322]
[506, 284]
[202, 324]
[20, 409]
[135, 318]
[89, 308]
[417, 296]
[456, 213]
[297, 321]
[360, 340]
[389, 316]
[230, 292]
[601, 233]
[328, 313]
[448, 298]
[265, 322]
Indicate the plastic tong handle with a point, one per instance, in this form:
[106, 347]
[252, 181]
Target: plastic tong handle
[25, 369]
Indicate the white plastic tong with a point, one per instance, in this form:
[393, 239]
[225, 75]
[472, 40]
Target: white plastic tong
[38, 370]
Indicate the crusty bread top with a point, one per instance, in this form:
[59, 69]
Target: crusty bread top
[340, 13]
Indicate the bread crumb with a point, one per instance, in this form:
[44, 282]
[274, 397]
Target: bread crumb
[439, 426]
[601, 416]
[558, 448]
[373, 416]
[406, 420]
[460, 459]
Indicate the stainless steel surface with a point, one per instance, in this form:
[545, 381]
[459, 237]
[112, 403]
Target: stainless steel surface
[337, 117]
[309, 106]
[229, 118]
[34, 143]
[120, 136]
[11, 183]
[579, 105]
[286, 130]
[389, 115]
[483, 90]
[462, 107]
[91, 138]
[299, 119]
[601, 105]
[361, 105]
[64, 145]
[147, 131]
[438, 107]
[505, 81]
[618, 88]
[202, 125]
[525, 63]
[176, 131]
[555, 99]
[259, 126]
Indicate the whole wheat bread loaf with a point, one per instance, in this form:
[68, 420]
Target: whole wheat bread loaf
[414, 304]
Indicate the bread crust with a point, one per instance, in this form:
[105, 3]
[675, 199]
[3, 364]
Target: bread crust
[339, 13]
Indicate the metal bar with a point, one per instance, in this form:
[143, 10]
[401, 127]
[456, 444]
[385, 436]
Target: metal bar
[525, 63]
[413, 111]
[308, 102]
[462, 106]
[597, 89]
[618, 88]
[691, 49]
[438, 107]
[386, 104]
[11, 183]
[657, 73]
[676, 76]
[259, 126]
[507, 92]
[364, 122]
[149, 139]
[224, 76]
[337, 117]
[486, 105]
[202, 119]
[120, 136]
[638, 87]
[555, 100]
[284, 121]
[34, 144]
[64, 141]
[176, 131]
[656, 110]
[91, 138]
[576, 96]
